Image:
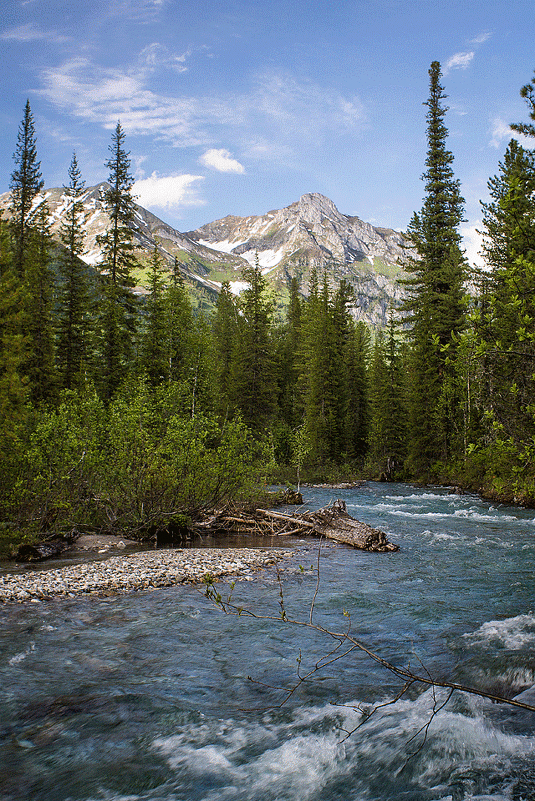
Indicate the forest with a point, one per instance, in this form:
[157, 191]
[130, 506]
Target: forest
[122, 411]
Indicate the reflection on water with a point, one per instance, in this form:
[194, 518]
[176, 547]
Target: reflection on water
[147, 696]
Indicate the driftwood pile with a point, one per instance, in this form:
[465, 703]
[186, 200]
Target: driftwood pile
[333, 522]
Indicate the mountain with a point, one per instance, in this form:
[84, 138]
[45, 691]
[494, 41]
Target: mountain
[288, 242]
[313, 233]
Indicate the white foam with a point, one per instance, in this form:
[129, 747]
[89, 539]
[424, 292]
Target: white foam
[20, 657]
[513, 632]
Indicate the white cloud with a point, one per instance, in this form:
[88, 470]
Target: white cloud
[168, 191]
[156, 55]
[481, 38]
[222, 161]
[472, 243]
[32, 33]
[290, 113]
[459, 61]
[501, 131]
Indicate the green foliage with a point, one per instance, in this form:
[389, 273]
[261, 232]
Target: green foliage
[388, 401]
[38, 316]
[435, 308]
[154, 336]
[26, 183]
[134, 465]
[75, 301]
[118, 307]
[253, 369]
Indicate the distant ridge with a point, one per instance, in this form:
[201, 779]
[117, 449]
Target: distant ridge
[310, 233]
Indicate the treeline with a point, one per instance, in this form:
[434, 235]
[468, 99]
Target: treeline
[120, 410]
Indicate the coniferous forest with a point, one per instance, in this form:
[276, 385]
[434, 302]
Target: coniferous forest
[127, 411]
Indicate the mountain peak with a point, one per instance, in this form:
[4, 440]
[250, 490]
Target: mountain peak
[314, 208]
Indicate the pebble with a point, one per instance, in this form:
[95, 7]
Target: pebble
[139, 571]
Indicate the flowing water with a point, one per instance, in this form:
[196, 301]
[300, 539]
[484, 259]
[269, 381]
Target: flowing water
[146, 696]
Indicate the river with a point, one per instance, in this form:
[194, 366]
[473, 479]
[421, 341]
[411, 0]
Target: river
[147, 696]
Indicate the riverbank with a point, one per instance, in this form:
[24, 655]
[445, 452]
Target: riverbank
[138, 571]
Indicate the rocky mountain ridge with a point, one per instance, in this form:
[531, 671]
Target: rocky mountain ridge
[310, 233]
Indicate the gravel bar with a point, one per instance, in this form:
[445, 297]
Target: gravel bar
[139, 571]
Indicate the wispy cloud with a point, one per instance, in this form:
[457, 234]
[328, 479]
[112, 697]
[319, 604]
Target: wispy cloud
[501, 131]
[156, 56]
[222, 161]
[289, 112]
[32, 33]
[168, 191]
[459, 61]
[481, 39]
[463, 59]
[143, 11]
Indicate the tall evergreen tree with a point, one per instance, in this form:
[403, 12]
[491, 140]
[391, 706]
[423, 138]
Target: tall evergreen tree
[288, 361]
[154, 351]
[528, 93]
[118, 305]
[388, 424]
[13, 352]
[505, 319]
[26, 183]
[357, 417]
[253, 365]
[75, 302]
[224, 343]
[38, 304]
[436, 302]
[179, 326]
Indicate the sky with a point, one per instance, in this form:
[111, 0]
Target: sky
[241, 106]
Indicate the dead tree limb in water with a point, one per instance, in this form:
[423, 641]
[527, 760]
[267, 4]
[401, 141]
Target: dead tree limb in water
[333, 522]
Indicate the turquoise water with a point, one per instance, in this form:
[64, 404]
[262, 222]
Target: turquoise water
[148, 696]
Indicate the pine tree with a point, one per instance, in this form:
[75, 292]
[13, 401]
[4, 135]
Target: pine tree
[38, 315]
[388, 424]
[26, 183]
[289, 404]
[505, 320]
[14, 388]
[224, 343]
[253, 365]
[528, 93]
[75, 302]
[357, 418]
[436, 302]
[154, 340]
[118, 305]
[179, 326]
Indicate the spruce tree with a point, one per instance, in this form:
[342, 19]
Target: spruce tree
[224, 343]
[75, 301]
[357, 417]
[118, 306]
[38, 305]
[154, 351]
[26, 183]
[14, 388]
[388, 412]
[179, 326]
[505, 320]
[436, 298]
[528, 93]
[253, 363]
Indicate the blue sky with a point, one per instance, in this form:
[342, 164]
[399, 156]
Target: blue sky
[240, 107]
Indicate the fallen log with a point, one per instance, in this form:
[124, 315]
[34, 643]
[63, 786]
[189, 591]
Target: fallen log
[333, 522]
[46, 549]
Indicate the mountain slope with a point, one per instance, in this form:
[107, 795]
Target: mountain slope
[310, 233]
[313, 233]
